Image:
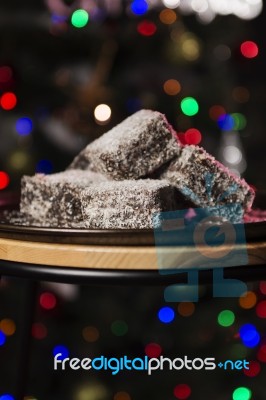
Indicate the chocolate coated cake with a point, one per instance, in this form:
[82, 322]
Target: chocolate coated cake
[132, 149]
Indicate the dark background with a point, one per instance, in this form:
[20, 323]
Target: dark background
[60, 74]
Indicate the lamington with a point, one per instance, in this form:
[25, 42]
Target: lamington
[132, 149]
[209, 184]
[53, 200]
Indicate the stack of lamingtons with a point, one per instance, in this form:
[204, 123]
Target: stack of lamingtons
[131, 173]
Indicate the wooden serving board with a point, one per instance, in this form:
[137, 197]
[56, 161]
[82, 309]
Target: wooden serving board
[110, 257]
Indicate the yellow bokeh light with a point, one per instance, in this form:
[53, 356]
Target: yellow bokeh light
[7, 326]
[190, 49]
[167, 16]
[171, 87]
[102, 113]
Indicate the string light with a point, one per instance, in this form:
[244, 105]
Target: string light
[139, 7]
[242, 393]
[226, 122]
[193, 136]
[253, 369]
[8, 326]
[248, 300]
[24, 126]
[261, 309]
[119, 328]
[146, 28]
[249, 49]
[182, 391]
[249, 335]
[8, 101]
[102, 113]
[171, 87]
[167, 16]
[226, 318]
[4, 180]
[48, 300]
[166, 315]
[153, 350]
[80, 18]
[189, 106]
[171, 3]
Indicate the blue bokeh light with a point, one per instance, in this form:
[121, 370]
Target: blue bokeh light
[139, 7]
[24, 126]
[166, 315]
[249, 335]
[2, 338]
[44, 167]
[226, 122]
[6, 397]
[62, 350]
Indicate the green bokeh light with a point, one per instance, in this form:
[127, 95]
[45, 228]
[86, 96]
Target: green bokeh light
[189, 106]
[226, 318]
[119, 328]
[240, 121]
[242, 393]
[79, 18]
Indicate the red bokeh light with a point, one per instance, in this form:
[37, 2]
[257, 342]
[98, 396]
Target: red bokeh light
[5, 74]
[249, 49]
[153, 350]
[261, 309]
[47, 300]
[182, 391]
[263, 287]
[4, 180]
[8, 101]
[216, 111]
[193, 136]
[254, 369]
[146, 28]
[261, 356]
[38, 330]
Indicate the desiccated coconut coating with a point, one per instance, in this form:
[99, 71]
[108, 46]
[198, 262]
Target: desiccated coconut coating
[54, 199]
[126, 204]
[132, 149]
[208, 183]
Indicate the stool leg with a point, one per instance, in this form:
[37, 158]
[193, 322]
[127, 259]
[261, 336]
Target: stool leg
[25, 325]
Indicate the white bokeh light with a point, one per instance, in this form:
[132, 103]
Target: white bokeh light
[102, 113]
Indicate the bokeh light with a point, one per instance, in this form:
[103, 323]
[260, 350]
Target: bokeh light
[8, 101]
[79, 18]
[226, 318]
[190, 48]
[262, 286]
[146, 28]
[7, 397]
[189, 106]
[122, 396]
[4, 180]
[63, 350]
[48, 300]
[193, 136]
[119, 328]
[248, 300]
[249, 49]
[153, 350]
[102, 113]
[216, 111]
[222, 52]
[139, 7]
[241, 393]
[226, 122]
[253, 370]
[167, 16]
[261, 309]
[44, 167]
[90, 334]
[240, 121]
[5, 74]
[171, 3]
[186, 309]
[171, 87]
[166, 315]
[8, 326]
[24, 126]
[232, 154]
[240, 94]
[182, 391]
[2, 338]
[261, 355]
[38, 330]
[249, 335]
